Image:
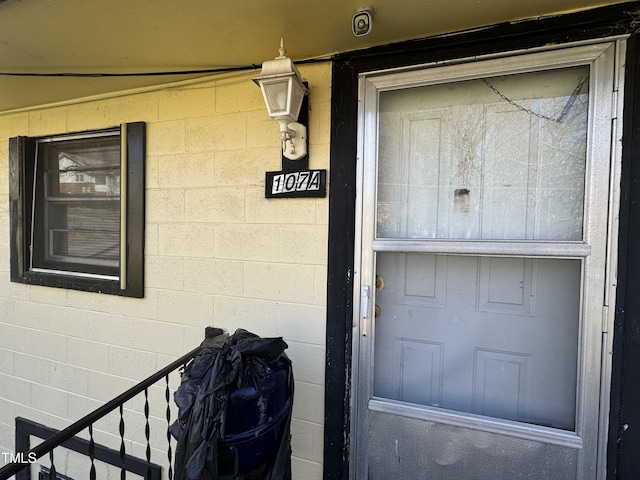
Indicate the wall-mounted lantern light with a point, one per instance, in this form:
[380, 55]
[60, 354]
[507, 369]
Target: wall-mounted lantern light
[283, 92]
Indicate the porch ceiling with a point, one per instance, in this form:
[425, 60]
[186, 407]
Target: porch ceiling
[124, 36]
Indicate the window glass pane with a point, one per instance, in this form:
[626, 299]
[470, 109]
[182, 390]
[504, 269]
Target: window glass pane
[79, 206]
[497, 159]
[85, 232]
[493, 336]
[86, 167]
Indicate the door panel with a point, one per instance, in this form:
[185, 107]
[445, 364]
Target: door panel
[482, 266]
[406, 448]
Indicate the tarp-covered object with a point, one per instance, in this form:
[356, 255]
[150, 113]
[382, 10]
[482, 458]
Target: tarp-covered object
[234, 410]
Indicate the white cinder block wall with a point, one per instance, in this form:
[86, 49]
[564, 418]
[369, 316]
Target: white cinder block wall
[217, 253]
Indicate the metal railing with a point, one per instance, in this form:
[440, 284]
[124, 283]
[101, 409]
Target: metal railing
[67, 438]
[25, 429]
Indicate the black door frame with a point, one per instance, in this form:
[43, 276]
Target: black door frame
[620, 19]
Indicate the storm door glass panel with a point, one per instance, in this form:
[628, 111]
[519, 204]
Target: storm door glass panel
[500, 158]
[80, 205]
[493, 336]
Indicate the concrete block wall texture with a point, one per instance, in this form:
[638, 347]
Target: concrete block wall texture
[217, 253]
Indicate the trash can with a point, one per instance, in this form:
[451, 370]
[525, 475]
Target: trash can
[234, 410]
[256, 418]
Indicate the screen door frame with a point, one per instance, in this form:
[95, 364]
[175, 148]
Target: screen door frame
[598, 248]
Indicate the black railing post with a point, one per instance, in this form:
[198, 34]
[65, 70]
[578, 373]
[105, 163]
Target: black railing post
[23, 444]
[92, 454]
[123, 450]
[147, 431]
[53, 473]
[167, 396]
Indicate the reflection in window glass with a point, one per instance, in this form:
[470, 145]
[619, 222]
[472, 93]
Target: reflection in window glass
[499, 158]
[493, 336]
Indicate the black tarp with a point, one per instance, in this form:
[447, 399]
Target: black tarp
[226, 364]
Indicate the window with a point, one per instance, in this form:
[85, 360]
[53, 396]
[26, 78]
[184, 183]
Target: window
[77, 210]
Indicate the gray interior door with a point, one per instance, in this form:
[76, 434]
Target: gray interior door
[483, 265]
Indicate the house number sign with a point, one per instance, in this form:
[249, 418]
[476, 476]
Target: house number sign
[305, 183]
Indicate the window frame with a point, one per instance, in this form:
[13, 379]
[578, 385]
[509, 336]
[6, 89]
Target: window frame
[130, 279]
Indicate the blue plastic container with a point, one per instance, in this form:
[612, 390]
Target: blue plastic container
[256, 419]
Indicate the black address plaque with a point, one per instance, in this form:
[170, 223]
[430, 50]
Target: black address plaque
[305, 183]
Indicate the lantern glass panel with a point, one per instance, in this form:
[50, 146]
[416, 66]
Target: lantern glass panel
[276, 96]
[297, 95]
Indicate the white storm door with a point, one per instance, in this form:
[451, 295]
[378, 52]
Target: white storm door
[483, 265]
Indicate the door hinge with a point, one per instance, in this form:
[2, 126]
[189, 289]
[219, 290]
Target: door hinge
[614, 105]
